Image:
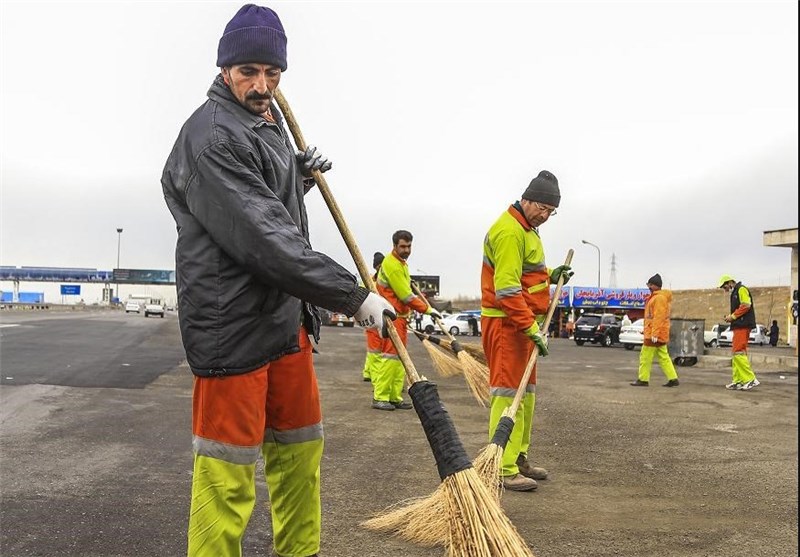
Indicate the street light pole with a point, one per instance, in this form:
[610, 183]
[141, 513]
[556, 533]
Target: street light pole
[119, 243]
[598, 260]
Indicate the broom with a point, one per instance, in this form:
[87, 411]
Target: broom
[489, 461]
[444, 361]
[402, 519]
[477, 526]
[474, 350]
[476, 375]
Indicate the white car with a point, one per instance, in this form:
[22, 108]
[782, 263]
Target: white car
[133, 307]
[758, 335]
[455, 324]
[710, 337]
[154, 309]
[632, 335]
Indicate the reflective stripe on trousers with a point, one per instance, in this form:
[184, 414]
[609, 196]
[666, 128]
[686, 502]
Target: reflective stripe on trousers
[273, 411]
[507, 353]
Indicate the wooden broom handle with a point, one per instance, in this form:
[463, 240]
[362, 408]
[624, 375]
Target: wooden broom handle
[344, 230]
[437, 321]
[511, 411]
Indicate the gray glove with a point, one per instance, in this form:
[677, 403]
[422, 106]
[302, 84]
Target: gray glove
[311, 160]
[371, 314]
[562, 270]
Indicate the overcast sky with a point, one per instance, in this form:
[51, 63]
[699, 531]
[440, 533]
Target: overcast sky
[672, 128]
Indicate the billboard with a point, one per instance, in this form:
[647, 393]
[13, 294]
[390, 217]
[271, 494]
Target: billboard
[611, 298]
[143, 276]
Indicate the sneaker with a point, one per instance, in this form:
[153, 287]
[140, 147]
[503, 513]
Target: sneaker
[402, 405]
[734, 386]
[750, 384]
[382, 405]
[638, 383]
[671, 383]
[518, 482]
[532, 472]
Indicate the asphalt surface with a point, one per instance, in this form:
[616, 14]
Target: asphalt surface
[95, 450]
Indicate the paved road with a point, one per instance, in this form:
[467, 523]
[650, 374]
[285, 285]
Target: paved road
[105, 470]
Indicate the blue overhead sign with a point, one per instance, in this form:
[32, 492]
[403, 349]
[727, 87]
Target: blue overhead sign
[623, 298]
[70, 289]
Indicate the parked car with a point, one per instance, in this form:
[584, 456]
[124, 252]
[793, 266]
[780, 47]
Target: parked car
[458, 323]
[154, 309]
[758, 335]
[133, 307]
[632, 335]
[597, 328]
[428, 326]
[710, 338]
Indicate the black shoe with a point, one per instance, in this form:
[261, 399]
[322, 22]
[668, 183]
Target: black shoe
[402, 405]
[638, 383]
[382, 405]
[671, 383]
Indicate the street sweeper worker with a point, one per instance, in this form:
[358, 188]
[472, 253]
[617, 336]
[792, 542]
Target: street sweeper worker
[394, 284]
[657, 307]
[248, 282]
[742, 318]
[373, 337]
[515, 295]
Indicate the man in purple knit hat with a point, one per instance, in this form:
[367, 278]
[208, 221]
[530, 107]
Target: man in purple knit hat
[248, 285]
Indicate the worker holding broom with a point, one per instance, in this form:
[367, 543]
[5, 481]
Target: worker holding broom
[394, 284]
[373, 338]
[515, 295]
[247, 283]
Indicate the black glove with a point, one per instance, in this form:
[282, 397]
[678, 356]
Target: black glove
[311, 160]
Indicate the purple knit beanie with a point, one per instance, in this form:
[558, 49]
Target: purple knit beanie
[254, 35]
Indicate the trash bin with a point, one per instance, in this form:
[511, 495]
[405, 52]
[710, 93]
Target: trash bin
[686, 340]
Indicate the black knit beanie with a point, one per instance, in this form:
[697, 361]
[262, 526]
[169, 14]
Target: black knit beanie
[655, 279]
[377, 259]
[254, 35]
[543, 189]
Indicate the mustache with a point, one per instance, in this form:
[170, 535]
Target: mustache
[255, 96]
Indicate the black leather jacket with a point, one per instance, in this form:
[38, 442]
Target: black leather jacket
[243, 259]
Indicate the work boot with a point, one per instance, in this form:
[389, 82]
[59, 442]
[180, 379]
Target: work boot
[402, 405]
[532, 472]
[382, 405]
[638, 383]
[518, 482]
[671, 383]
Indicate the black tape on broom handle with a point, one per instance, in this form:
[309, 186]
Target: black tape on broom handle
[439, 429]
[347, 236]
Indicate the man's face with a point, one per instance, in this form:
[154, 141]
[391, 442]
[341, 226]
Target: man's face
[403, 249]
[253, 84]
[727, 286]
[536, 213]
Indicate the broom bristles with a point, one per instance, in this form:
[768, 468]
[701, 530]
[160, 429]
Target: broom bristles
[444, 362]
[477, 377]
[488, 465]
[462, 514]
[478, 526]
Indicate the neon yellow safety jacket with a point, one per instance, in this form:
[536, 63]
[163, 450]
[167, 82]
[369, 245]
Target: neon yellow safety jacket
[515, 282]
